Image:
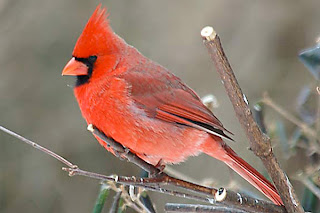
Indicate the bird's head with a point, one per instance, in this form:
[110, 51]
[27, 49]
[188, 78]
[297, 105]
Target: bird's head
[96, 47]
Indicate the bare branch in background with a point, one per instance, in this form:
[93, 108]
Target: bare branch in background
[259, 142]
[304, 127]
[190, 208]
[309, 184]
[115, 204]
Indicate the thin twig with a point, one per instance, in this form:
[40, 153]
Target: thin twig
[318, 114]
[304, 127]
[259, 142]
[136, 197]
[147, 183]
[37, 146]
[309, 184]
[190, 208]
[146, 201]
[115, 204]
[125, 196]
[230, 198]
[314, 145]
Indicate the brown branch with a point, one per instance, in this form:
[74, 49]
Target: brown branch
[153, 184]
[190, 208]
[147, 183]
[209, 195]
[260, 143]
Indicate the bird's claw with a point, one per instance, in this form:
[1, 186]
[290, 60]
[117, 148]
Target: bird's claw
[161, 166]
[122, 155]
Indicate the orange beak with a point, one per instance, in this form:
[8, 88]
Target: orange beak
[75, 68]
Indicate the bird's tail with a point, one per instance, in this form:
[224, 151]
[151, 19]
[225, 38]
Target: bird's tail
[246, 171]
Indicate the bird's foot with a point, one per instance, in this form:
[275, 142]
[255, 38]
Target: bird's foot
[122, 155]
[161, 166]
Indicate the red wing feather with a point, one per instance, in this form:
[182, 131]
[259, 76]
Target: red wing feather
[168, 99]
[185, 109]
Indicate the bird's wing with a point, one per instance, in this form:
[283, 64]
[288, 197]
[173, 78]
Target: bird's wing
[164, 96]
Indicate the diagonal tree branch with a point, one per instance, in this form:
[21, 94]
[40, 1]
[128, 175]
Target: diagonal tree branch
[260, 143]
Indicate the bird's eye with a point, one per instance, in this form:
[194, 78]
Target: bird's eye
[92, 59]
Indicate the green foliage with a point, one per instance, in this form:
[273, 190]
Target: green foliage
[311, 59]
[101, 199]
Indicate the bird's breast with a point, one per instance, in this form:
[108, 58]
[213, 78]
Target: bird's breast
[111, 109]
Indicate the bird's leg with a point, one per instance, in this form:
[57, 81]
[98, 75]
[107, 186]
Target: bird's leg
[122, 155]
[161, 166]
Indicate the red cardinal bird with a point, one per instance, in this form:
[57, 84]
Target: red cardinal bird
[146, 108]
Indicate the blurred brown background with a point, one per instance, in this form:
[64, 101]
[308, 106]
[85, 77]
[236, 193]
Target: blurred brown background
[261, 39]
